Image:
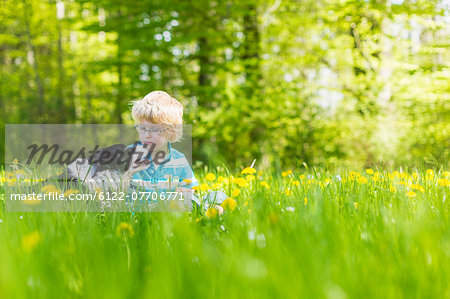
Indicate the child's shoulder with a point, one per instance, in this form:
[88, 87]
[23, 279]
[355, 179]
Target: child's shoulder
[177, 159]
[176, 154]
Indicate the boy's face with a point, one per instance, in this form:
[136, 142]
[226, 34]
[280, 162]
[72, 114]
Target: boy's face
[152, 134]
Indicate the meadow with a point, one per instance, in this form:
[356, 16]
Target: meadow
[338, 85]
[296, 233]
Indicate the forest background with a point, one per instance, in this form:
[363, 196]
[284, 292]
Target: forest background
[328, 83]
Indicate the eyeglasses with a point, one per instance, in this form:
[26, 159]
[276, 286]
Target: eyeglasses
[154, 131]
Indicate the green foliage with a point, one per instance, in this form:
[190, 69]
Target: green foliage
[325, 82]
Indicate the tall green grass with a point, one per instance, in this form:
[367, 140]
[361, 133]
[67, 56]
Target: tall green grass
[350, 238]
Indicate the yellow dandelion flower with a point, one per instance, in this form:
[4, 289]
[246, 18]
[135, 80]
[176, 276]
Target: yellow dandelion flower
[286, 173]
[296, 183]
[356, 205]
[265, 185]
[235, 192]
[9, 175]
[204, 187]
[393, 189]
[210, 177]
[403, 183]
[369, 171]
[221, 179]
[444, 182]
[250, 177]
[353, 175]
[305, 200]
[446, 173]
[288, 192]
[48, 187]
[217, 185]
[415, 175]
[30, 201]
[301, 177]
[411, 194]
[31, 241]
[124, 230]
[212, 212]
[362, 180]
[417, 187]
[241, 182]
[248, 170]
[229, 204]
[187, 181]
[196, 188]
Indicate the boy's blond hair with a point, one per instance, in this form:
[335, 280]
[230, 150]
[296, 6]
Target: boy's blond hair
[158, 107]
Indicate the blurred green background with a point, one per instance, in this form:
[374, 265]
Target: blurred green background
[329, 83]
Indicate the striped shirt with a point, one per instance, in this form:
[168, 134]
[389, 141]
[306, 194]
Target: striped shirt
[173, 172]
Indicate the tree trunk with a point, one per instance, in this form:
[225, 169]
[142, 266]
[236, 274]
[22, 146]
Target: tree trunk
[119, 84]
[34, 63]
[62, 115]
[251, 56]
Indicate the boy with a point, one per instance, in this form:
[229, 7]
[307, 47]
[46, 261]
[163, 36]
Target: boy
[159, 119]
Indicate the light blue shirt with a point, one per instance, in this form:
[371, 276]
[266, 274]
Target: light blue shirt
[173, 172]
